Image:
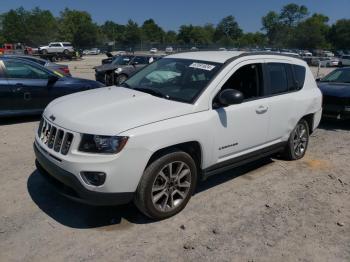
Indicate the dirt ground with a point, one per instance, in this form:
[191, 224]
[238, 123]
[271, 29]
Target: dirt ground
[270, 210]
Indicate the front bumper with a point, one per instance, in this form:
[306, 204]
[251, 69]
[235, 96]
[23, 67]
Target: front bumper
[336, 112]
[68, 185]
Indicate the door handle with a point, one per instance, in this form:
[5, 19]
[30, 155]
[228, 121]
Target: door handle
[261, 109]
[18, 87]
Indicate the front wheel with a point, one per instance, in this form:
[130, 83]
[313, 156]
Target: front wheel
[121, 79]
[298, 141]
[166, 185]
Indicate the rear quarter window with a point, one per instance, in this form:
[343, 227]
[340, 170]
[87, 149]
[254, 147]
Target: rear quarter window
[299, 76]
[278, 78]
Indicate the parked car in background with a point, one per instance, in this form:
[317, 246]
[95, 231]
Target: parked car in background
[328, 54]
[62, 69]
[329, 62]
[15, 49]
[153, 50]
[169, 50]
[181, 119]
[335, 88]
[27, 87]
[93, 51]
[121, 68]
[57, 47]
[344, 60]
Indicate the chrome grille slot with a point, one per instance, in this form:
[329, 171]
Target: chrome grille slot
[54, 137]
[58, 142]
[66, 143]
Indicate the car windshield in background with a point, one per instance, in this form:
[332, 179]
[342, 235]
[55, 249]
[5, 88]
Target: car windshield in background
[339, 75]
[174, 79]
[121, 60]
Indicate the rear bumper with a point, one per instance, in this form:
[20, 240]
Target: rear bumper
[68, 185]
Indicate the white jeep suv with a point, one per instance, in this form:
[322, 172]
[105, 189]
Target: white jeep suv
[180, 119]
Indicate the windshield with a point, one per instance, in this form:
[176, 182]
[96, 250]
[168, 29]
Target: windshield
[339, 75]
[121, 60]
[175, 79]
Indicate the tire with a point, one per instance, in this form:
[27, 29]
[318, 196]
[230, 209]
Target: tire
[120, 79]
[44, 52]
[66, 52]
[298, 141]
[340, 64]
[160, 195]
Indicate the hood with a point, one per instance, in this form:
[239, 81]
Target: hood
[106, 67]
[334, 89]
[112, 110]
[80, 81]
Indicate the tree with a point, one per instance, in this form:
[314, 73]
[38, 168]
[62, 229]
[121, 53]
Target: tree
[113, 31]
[339, 34]
[228, 30]
[252, 40]
[77, 27]
[132, 34]
[312, 32]
[292, 14]
[14, 27]
[151, 32]
[170, 37]
[41, 21]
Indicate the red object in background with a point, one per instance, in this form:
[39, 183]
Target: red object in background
[65, 70]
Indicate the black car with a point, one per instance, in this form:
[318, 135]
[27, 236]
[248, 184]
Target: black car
[335, 88]
[62, 69]
[121, 68]
[26, 87]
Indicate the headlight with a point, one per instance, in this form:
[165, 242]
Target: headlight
[102, 144]
[118, 70]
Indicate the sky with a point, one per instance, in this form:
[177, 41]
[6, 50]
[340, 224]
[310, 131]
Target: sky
[171, 14]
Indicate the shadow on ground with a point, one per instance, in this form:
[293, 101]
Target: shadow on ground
[18, 120]
[76, 215]
[334, 125]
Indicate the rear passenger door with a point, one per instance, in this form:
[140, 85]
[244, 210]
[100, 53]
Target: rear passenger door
[281, 96]
[6, 102]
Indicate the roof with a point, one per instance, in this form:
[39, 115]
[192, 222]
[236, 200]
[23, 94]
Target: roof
[210, 56]
[224, 56]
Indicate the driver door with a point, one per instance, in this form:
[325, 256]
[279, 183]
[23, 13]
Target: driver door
[28, 85]
[242, 128]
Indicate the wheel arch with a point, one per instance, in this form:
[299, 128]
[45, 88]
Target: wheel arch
[193, 148]
[310, 121]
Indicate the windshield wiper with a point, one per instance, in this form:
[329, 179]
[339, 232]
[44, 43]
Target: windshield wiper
[151, 92]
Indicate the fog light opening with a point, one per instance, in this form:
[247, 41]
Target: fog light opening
[94, 178]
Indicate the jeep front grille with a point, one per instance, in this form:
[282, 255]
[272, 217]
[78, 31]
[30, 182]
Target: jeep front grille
[54, 137]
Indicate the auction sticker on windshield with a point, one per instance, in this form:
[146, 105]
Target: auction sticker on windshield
[202, 66]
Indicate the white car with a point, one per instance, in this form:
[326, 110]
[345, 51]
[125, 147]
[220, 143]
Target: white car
[93, 51]
[345, 60]
[329, 62]
[153, 50]
[57, 47]
[178, 120]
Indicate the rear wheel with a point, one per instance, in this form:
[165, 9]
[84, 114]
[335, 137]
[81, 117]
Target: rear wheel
[167, 185]
[66, 52]
[298, 141]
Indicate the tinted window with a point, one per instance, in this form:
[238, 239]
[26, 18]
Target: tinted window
[141, 60]
[15, 69]
[248, 80]
[299, 75]
[55, 45]
[67, 45]
[278, 78]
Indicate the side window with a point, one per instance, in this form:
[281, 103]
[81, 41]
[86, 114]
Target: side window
[278, 78]
[18, 70]
[141, 60]
[248, 80]
[299, 76]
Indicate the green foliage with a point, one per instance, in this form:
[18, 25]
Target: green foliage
[78, 28]
[291, 27]
[339, 34]
[312, 32]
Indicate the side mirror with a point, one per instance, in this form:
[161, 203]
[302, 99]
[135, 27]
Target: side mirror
[52, 79]
[230, 97]
[318, 79]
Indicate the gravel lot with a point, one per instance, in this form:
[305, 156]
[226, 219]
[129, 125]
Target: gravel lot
[270, 210]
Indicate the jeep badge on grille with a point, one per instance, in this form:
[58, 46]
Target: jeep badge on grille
[52, 117]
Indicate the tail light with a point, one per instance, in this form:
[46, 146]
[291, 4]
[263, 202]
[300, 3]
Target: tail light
[65, 70]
